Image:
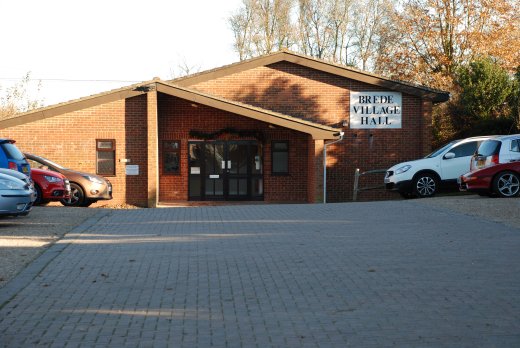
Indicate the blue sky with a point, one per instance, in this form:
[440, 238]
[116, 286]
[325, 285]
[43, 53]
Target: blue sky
[105, 40]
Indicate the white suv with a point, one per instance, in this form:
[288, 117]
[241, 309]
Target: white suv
[423, 177]
[496, 150]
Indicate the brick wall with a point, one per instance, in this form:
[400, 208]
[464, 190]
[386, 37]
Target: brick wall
[178, 117]
[324, 98]
[70, 140]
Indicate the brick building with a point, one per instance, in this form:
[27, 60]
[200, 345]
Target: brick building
[253, 130]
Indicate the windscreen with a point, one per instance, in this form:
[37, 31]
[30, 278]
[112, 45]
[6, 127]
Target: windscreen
[441, 150]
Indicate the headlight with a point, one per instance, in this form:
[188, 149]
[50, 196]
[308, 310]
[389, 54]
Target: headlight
[94, 179]
[51, 178]
[10, 185]
[403, 169]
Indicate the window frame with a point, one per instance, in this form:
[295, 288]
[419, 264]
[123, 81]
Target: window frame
[273, 151]
[112, 149]
[166, 151]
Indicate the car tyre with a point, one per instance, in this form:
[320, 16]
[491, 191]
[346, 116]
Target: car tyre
[507, 184]
[77, 196]
[425, 185]
[39, 195]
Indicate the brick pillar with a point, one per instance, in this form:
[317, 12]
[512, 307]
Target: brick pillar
[426, 110]
[311, 172]
[153, 148]
[318, 170]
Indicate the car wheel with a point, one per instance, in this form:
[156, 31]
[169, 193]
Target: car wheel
[77, 197]
[507, 184]
[39, 197]
[425, 185]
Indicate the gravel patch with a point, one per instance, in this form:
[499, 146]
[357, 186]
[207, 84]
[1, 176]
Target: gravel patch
[22, 239]
[502, 210]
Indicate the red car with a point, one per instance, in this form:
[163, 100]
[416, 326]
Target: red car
[502, 180]
[49, 186]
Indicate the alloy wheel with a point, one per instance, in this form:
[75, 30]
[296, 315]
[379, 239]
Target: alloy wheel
[425, 186]
[508, 185]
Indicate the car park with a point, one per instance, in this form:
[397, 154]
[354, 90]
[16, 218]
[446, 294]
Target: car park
[16, 196]
[49, 186]
[425, 177]
[502, 180]
[85, 188]
[12, 158]
[499, 149]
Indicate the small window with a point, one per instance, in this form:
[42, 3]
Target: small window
[105, 157]
[171, 156]
[515, 145]
[280, 157]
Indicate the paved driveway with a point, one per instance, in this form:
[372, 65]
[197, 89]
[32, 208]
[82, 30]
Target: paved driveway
[338, 275]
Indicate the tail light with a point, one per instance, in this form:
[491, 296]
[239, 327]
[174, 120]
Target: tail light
[12, 166]
[495, 159]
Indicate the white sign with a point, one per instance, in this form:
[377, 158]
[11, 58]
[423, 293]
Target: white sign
[195, 170]
[375, 110]
[132, 169]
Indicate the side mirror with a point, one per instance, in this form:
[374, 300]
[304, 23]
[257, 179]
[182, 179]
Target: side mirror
[449, 155]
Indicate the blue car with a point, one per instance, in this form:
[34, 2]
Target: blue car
[12, 158]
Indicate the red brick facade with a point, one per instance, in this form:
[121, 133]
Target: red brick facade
[140, 124]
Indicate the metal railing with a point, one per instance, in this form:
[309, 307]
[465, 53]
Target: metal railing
[357, 189]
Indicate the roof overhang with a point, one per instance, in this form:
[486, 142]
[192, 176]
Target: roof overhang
[317, 131]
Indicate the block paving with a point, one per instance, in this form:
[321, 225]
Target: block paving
[379, 274]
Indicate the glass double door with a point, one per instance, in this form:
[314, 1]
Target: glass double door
[225, 170]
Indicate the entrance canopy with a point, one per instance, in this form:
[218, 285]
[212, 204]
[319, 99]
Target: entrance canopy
[316, 130]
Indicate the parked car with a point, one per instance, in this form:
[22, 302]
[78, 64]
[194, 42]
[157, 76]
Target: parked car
[502, 180]
[424, 177]
[16, 196]
[49, 186]
[27, 179]
[12, 158]
[85, 188]
[499, 149]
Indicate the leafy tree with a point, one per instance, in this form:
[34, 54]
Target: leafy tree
[483, 102]
[435, 37]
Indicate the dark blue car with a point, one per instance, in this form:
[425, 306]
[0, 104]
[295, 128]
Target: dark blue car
[12, 158]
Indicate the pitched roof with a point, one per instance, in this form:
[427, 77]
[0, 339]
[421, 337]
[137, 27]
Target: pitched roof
[317, 131]
[437, 96]
[75, 105]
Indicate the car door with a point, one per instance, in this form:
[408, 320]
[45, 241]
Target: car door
[457, 160]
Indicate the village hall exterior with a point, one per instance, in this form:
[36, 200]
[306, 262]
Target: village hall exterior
[251, 131]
